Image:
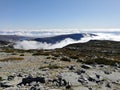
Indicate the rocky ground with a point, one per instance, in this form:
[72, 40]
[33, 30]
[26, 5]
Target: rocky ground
[59, 70]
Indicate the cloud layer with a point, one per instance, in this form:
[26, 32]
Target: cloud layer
[39, 45]
[51, 32]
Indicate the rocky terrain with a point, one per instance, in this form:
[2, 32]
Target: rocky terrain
[94, 65]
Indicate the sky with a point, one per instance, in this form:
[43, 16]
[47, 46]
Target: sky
[76, 14]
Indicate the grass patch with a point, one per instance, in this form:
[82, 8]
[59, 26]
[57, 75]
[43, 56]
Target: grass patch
[9, 50]
[51, 66]
[39, 53]
[36, 54]
[54, 66]
[56, 55]
[1, 79]
[53, 58]
[22, 55]
[102, 61]
[48, 57]
[74, 57]
[65, 59]
[12, 59]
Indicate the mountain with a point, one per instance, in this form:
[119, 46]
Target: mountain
[13, 38]
[59, 38]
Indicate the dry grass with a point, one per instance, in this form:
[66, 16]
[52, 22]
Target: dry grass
[12, 59]
[54, 66]
[65, 59]
[0, 78]
[102, 61]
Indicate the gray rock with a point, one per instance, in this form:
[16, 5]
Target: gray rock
[90, 88]
[82, 80]
[60, 82]
[71, 67]
[20, 75]
[80, 71]
[107, 72]
[109, 84]
[85, 66]
[3, 85]
[34, 88]
[117, 65]
[91, 79]
[11, 77]
[30, 79]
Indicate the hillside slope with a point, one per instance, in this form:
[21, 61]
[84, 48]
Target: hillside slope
[93, 51]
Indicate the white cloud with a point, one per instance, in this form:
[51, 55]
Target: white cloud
[51, 32]
[39, 45]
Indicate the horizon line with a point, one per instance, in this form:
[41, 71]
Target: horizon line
[61, 29]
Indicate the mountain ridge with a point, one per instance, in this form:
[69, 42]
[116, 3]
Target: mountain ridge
[59, 38]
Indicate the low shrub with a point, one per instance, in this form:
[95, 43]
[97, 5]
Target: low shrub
[54, 58]
[12, 59]
[0, 78]
[65, 59]
[74, 57]
[38, 53]
[102, 61]
[21, 54]
[48, 57]
[53, 66]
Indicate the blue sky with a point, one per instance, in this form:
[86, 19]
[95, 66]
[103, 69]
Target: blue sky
[37, 14]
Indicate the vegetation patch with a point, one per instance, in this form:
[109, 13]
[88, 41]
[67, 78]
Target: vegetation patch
[40, 53]
[54, 58]
[51, 66]
[12, 59]
[0, 78]
[65, 59]
[74, 57]
[22, 55]
[48, 57]
[56, 55]
[102, 61]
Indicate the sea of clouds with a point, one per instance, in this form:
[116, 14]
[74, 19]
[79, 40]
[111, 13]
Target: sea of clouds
[113, 36]
[52, 32]
[101, 34]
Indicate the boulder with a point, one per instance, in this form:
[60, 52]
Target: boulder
[29, 80]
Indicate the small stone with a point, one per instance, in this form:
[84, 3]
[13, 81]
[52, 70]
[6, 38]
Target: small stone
[71, 67]
[19, 75]
[80, 71]
[107, 72]
[82, 80]
[10, 78]
[109, 85]
[98, 76]
[91, 79]
[86, 66]
[90, 88]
